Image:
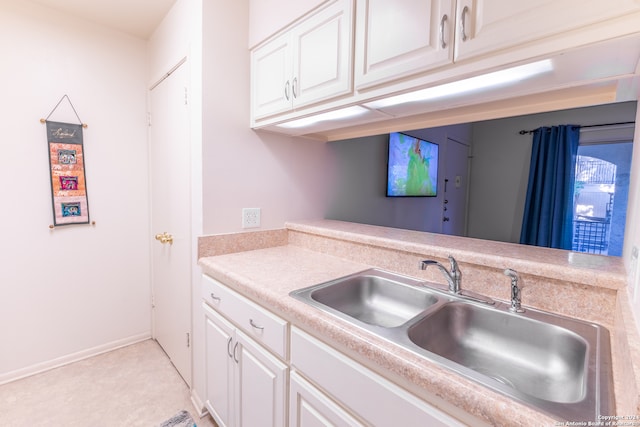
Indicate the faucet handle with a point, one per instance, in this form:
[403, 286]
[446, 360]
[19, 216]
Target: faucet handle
[455, 270]
[516, 289]
[452, 277]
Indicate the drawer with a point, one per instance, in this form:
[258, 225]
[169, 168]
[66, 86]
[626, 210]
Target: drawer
[260, 324]
[355, 387]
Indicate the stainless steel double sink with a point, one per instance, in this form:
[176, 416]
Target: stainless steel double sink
[558, 365]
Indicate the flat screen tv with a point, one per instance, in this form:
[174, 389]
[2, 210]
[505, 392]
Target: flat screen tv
[412, 167]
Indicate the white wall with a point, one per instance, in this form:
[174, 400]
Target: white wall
[500, 165]
[79, 289]
[358, 190]
[285, 177]
[234, 167]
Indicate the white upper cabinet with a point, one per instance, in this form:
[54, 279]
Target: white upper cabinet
[401, 37]
[338, 56]
[486, 26]
[406, 37]
[323, 52]
[267, 17]
[309, 63]
[271, 76]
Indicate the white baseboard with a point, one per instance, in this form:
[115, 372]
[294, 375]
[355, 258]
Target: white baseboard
[70, 358]
[198, 405]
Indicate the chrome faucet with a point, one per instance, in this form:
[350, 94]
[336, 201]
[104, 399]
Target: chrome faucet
[454, 277]
[515, 291]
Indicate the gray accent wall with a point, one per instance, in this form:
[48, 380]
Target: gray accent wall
[499, 170]
[500, 164]
[358, 191]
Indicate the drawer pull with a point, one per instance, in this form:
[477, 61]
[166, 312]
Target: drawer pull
[443, 42]
[463, 23]
[214, 297]
[235, 354]
[229, 347]
[253, 325]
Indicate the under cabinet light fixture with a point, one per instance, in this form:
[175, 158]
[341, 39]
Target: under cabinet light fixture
[484, 81]
[343, 113]
[472, 84]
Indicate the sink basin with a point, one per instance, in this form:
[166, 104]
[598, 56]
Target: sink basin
[539, 359]
[373, 297]
[558, 365]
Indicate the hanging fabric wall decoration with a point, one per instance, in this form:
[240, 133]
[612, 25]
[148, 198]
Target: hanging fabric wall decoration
[67, 165]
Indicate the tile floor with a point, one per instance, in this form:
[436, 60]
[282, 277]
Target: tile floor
[133, 386]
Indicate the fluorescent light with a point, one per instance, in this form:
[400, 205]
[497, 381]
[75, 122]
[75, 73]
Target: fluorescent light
[341, 114]
[484, 81]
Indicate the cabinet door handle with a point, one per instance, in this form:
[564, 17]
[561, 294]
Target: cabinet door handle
[255, 326]
[293, 87]
[463, 23]
[235, 353]
[443, 42]
[229, 347]
[214, 297]
[286, 90]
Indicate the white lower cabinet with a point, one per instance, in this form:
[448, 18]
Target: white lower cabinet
[250, 383]
[219, 366]
[309, 407]
[246, 385]
[362, 392]
[262, 385]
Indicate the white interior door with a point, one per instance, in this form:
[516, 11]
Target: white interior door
[454, 213]
[171, 218]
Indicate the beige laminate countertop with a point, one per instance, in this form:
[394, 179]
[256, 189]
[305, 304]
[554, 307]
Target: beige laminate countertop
[269, 273]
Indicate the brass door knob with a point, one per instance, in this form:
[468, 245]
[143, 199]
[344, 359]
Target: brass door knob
[164, 238]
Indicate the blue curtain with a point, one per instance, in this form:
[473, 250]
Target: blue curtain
[548, 211]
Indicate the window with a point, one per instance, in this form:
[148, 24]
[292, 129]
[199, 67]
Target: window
[600, 198]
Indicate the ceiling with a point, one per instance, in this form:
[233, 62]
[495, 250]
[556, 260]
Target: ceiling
[138, 18]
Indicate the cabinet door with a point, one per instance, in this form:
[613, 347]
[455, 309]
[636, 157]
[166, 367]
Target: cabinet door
[261, 386]
[323, 55]
[219, 366]
[309, 407]
[489, 25]
[267, 17]
[271, 77]
[356, 387]
[398, 38]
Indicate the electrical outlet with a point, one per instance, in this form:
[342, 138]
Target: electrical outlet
[250, 217]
